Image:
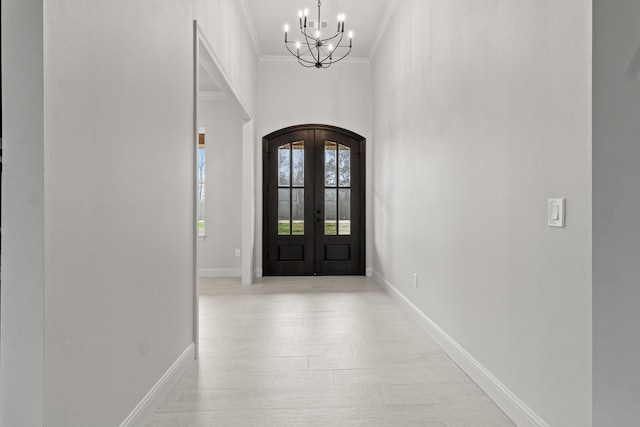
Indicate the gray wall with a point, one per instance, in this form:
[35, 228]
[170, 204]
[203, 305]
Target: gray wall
[482, 112]
[616, 212]
[223, 198]
[22, 346]
[98, 195]
[119, 203]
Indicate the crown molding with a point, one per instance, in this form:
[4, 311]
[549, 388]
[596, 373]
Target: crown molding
[251, 27]
[382, 27]
[289, 59]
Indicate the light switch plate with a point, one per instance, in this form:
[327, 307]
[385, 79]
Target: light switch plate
[555, 212]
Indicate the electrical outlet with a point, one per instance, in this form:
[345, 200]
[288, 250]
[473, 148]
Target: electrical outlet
[237, 252]
[415, 280]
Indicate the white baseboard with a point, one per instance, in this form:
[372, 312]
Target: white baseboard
[143, 412]
[369, 272]
[517, 410]
[258, 272]
[220, 272]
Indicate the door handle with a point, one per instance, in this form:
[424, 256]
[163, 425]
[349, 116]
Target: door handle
[317, 211]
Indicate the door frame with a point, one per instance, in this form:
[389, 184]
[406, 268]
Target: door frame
[363, 190]
[204, 54]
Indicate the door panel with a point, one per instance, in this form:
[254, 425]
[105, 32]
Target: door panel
[338, 181]
[313, 202]
[290, 207]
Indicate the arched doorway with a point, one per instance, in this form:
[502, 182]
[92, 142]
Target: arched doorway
[314, 202]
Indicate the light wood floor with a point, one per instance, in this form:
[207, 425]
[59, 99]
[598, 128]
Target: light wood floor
[318, 352]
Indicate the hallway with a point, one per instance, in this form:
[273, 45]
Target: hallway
[318, 351]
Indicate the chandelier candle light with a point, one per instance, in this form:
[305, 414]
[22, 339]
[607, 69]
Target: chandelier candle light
[317, 51]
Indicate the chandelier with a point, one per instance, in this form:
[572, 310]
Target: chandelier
[316, 50]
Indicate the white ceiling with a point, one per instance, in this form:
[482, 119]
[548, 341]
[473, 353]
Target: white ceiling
[363, 17]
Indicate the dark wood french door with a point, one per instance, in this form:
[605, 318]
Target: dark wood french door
[313, 200]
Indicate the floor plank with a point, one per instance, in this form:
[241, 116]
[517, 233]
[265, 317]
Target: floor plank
[318, 351]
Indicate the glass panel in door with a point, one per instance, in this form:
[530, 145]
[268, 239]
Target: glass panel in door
[337, 183]
[291, 189]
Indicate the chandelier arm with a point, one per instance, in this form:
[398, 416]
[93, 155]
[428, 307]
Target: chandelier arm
[329, 55]
[342, 57]
[305, 32]
[309, 46]
[307, 50]
[290, 42]
[340, 40]
[331, 59]
[302, 58]
[324, 43]
[326, 58]
[311, 64]
[307, 37]
[326, 63]
[306, 61]
[290, 51]
[299, 56]
[341, 34]
[328, 39]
